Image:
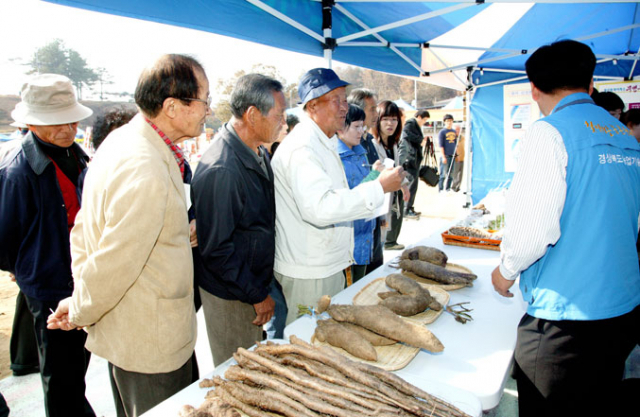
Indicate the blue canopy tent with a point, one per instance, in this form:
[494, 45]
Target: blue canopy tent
[471, 45]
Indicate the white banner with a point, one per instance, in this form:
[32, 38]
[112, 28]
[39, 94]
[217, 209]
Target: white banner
[519, 112]
[628, 91]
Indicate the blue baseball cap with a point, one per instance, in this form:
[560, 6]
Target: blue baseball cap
[318, 82]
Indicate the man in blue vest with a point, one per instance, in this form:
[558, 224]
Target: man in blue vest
[572, 223]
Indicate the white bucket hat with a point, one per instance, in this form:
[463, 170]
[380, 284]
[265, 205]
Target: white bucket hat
[49, 99]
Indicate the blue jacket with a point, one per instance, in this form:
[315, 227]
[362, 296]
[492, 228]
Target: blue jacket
[591, 273]
[356, 167]
[34, 234]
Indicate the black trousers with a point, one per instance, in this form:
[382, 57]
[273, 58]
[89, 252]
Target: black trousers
[63, 364]
[135, 393]
[396, 221]
[23, 348]
[413, 188]
[377, 259]
[574, 368]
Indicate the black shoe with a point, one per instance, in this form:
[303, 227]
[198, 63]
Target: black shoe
[413, 213]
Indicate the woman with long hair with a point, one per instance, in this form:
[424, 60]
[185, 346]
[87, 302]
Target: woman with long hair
[386, 135]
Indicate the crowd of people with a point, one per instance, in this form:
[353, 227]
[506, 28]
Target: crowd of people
[128, 246]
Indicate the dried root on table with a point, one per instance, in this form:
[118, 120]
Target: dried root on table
[211, 407]
[470, 232]
[427, 254]
[437, 273]
[300, 380]
[381, 320]
[409, 299]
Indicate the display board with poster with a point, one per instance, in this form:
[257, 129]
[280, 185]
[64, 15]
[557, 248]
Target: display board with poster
[520, 110]
[628, 91]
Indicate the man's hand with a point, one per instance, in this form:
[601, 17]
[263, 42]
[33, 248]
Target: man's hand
[12, 277]
[264, 311]
[60, 319]
[406, 194]
[391, 179]
[377, 166]
[192, 233]
[501, 284]
[444, 158]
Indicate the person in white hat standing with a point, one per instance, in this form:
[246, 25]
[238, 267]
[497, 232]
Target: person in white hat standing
[40, 200]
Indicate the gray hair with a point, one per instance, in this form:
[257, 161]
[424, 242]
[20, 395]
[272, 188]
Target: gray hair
[359, 95]
[254, 90]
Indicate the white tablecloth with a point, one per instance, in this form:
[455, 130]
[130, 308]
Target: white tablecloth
[478, 355]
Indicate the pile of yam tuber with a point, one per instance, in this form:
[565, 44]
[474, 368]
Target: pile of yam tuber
[431, 263]
[300, 380]
[357, 329]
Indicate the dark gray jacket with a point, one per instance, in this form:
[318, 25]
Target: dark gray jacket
[235, 216]
[409, 148]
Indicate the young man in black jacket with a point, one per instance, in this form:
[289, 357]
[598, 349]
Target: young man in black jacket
[410, 154]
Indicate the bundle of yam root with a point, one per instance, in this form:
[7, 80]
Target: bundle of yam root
[300, 380]
[431, 263]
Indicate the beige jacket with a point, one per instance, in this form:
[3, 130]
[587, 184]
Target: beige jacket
[132, 262]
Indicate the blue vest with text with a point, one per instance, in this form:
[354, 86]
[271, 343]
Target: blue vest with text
[592, 272]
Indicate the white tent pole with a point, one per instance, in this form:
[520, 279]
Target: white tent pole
[608, 32]
[473, 48]
[328, 53]
[273, 12]
[501, 82]
[473, 64]
[404, 22]
[633, 67]
[501, 70]
[377, 36]
[382, 44]
[454, 74]
[466, 168]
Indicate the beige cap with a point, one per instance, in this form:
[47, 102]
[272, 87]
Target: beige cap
[49, 99]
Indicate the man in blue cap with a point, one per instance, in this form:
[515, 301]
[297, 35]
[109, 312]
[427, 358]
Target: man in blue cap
[315, 207]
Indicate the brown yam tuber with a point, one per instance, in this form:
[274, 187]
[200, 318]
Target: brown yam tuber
[427, 254]
[437, 273]
[383, 321]
[411, 299]
[342, 337]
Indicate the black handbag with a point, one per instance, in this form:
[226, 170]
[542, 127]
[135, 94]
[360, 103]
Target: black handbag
[429, 168]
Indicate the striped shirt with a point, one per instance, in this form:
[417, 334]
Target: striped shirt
[535, 200]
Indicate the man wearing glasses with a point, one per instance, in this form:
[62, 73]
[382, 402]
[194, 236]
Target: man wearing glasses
[132, 261]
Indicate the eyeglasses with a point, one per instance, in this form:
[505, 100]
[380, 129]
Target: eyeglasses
[207, 101]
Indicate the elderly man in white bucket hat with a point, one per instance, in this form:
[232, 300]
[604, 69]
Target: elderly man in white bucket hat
[39, 194]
